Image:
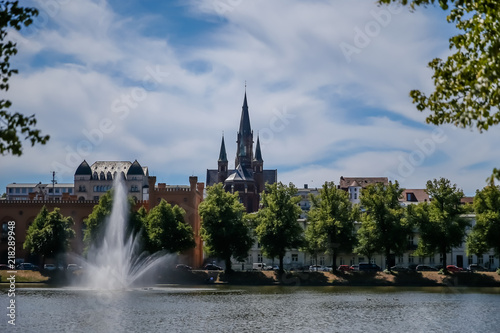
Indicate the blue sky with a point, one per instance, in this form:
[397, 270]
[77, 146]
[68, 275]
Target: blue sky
[160, 81]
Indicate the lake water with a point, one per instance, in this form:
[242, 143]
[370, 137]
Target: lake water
[257, 309]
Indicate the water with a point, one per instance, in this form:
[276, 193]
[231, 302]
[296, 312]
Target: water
[259, 309]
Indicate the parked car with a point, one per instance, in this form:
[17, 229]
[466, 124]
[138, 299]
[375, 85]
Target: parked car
[477, 268]
[426, 268]
[344, 268]
[73, 267]
[454, 268]
[354, 268]
[183, 267]
[369, 267]
[212, 267]
[49, 267]
[4, 267]
[28, 266]
[399, 269]
[318, 268]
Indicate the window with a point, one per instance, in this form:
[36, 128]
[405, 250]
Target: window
[432, 260]
[259, 257]
[491, 261]
[480, 260]
[372, 261]
[361, 259]
[18, 190]
[24, 190]
[355, 196]
[400, 260]
[408, 196]
[295, 257]
[96, 198]
[342, 261]
[469, 260]
[411, 259]
[420, 260]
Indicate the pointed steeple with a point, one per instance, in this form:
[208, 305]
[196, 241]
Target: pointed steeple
[222, 154]
[258, 154]
[245, 127]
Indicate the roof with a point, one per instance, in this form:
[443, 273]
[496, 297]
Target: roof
[135, 169]
[346, 182]
[245, 127]
[258, 154]
[416, 195]
[83, 169]
[240, 174]
[222, 154]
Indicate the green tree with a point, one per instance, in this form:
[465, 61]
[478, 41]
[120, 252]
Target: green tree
[167, 230]
[95, 223]
[50, 233]
[278, 229]
[223, 226]
[14, 125]
[440, 222]
[384, 227]
[466, 83]
[485, 233]
[332, 219]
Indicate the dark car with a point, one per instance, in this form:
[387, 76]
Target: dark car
[454, 268]
[28, 266]
[399, 269]
[212, 267]
[4, 267]
[477, 268]
[368, 267]
[183, 267]
[425, 268]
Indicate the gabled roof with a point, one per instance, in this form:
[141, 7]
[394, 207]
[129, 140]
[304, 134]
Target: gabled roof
[240, 174]
[345, 182]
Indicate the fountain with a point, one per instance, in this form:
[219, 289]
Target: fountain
[118, 263]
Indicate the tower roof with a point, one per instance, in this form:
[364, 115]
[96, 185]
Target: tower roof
[222, 154]
[135, 169]
[83, 169]
[245, 127]
[258, 154]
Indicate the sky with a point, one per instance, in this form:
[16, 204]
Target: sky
[327, 84]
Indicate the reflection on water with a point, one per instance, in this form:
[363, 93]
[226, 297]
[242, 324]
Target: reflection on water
[259, 309]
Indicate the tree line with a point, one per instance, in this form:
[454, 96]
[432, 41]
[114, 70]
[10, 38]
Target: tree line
[228, 232]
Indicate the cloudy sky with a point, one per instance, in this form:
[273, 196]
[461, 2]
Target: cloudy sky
[161, 81]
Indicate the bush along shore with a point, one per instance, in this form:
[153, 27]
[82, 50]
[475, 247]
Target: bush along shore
[198, 277]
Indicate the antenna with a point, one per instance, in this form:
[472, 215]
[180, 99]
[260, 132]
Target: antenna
[54, 182]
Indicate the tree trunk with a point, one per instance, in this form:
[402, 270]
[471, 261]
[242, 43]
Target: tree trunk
[334, 261]
[229, 268]
[387, 257]
[282, 269]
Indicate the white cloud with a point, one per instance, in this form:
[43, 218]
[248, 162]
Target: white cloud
[318, 115]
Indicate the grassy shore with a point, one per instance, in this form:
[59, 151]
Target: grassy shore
[477, 279]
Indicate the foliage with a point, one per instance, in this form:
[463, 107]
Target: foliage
[466, 83]
[50, 233]
[223, 227]
[331, 221]
[384, 228]
[486, 232]
[12, 125]
[440, 222]
[167, 230]
[278, 228]
[95, 222]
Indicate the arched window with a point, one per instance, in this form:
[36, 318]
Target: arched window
[108, 176]
[102, 177]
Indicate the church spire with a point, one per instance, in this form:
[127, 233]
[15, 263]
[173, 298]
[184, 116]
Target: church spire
[222, 154]
[258, 154]
[245, 128]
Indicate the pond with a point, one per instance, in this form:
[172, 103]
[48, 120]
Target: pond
[257, 309]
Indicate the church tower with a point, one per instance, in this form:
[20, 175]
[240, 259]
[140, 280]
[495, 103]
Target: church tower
[248, 177]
